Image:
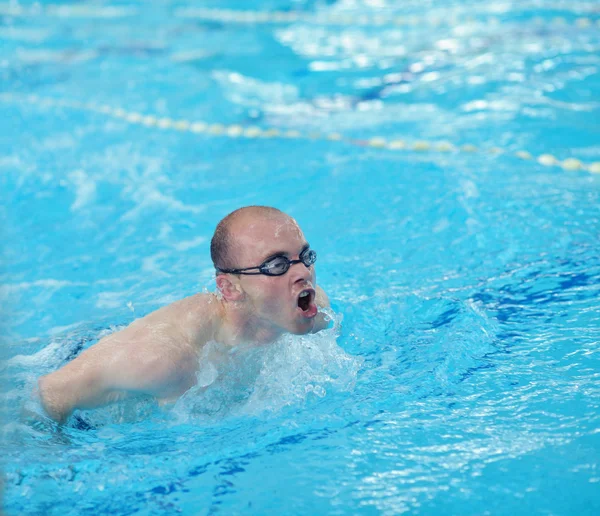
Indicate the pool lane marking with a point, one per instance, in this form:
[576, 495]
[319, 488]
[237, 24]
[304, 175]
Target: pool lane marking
[279, 17]
[253, 132]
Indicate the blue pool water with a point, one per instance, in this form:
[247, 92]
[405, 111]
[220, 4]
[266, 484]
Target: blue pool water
[442, 157]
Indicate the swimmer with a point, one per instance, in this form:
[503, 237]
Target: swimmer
[266, 287]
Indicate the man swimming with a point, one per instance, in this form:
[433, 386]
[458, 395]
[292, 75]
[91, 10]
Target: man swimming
[266, 287]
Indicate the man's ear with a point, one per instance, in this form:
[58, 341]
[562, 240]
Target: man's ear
[230, 289]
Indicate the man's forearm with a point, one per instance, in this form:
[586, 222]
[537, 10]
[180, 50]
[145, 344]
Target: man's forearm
[60, 395]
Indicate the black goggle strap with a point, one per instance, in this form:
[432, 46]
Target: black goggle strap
[240, 271]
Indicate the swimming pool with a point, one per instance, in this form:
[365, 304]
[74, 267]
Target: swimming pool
[442, 157]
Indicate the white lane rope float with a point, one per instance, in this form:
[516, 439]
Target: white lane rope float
[252, 131]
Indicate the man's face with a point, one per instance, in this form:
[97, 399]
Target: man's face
[283, 303]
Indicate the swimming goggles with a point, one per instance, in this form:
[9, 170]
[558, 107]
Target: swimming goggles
[277, 265]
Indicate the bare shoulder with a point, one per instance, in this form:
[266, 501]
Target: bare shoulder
[158, 353]
[321, 321]
[177, 329]
[321, 297]
[187, 316]
[198, 317]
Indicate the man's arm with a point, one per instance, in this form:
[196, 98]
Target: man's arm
[147, 357]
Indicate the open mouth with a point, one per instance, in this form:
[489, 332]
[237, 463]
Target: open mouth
[306, 299]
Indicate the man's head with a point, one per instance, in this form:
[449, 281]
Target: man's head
[246, 239]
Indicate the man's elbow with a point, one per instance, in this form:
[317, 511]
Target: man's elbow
[52, 399]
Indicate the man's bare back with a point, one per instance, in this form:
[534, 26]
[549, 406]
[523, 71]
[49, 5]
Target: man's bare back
[158, 355]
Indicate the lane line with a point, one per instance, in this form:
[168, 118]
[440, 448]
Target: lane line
[253, 132]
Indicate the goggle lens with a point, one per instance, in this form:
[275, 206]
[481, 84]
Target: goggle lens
[280, 264]
[276, 266]
[308, 257]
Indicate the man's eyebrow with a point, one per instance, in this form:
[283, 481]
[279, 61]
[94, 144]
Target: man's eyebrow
[284, 253]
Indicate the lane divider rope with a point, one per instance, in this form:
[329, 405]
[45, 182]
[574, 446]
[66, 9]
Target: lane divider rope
[280, 17]
[251, 132]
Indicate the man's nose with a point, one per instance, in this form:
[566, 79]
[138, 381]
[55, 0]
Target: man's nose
[300, 272]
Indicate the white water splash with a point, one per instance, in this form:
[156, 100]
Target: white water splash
[252, 380]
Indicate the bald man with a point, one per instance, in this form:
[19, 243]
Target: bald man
[267, 287]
